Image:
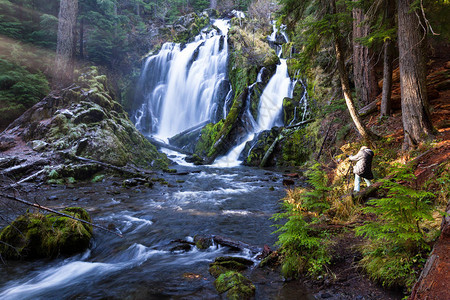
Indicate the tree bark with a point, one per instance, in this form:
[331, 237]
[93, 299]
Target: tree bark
[363, 63]
[82, 38]
[343, 75]
[387, 62]
[64, 63]
[416, 117]
[213, 4]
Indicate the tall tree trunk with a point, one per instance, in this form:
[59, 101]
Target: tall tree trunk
[387, 61]
[213, 4]
[415, 111]
[64, 63]
[343, 75]
[363, 63]
[82, 38]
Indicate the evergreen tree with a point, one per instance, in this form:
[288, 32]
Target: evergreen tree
[416, 116]
[64, 63]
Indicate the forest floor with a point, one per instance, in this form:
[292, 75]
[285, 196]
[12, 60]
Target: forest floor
[348, 281]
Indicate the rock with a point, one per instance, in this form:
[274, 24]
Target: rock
[38, 145]
[202, 242]
[85, 121]
[228, 263]
[235, 285]
[36, 235]
[6, 142]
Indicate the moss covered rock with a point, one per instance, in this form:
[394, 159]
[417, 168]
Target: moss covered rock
[224, 264]
[46, 236]
[235, 285]
[86, 121]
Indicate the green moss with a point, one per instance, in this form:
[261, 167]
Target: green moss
[98, 178]
[38, 235]
[224, 264]
[297, 147]
[235, 285]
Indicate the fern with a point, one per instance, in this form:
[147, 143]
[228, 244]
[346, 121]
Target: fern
[316, 199]
[304, 247]
[398, 242]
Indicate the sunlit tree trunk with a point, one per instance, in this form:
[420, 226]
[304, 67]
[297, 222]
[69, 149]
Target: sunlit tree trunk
[64, 63]
[387, 61]
[363, 62]
[415, 111]
[343, 75]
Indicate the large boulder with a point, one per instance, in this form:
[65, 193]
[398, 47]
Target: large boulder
[35, 235]
[83, 120]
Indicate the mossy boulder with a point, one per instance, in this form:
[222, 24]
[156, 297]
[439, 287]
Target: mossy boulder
[35, 235]
[224, 264]
[85, 121]
[255, 150]
[235, 285]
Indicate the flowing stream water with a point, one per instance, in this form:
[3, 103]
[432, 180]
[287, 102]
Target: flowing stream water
[180, 89]
[236, 203]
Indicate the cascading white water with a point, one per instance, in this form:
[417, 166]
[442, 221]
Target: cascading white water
[183, 84]
[279, 87]
[271, 103]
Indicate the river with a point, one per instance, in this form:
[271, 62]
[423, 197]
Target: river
[236, 203]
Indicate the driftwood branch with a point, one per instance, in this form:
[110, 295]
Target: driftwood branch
[56, 212]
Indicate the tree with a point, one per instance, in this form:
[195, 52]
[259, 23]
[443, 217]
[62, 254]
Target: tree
[64, 63]
[387, 60]
[416, 117]
[363, 61]
[323, 24]
[343, 76]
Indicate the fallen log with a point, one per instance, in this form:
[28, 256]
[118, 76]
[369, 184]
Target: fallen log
[109, 166]
[56, 212]
[270, 150]
[368, 109]
[238, 245]
[168, 146]
[300, 123]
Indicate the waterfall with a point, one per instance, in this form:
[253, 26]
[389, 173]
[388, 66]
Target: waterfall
[271, 104]
[181, 87]
[270, 107]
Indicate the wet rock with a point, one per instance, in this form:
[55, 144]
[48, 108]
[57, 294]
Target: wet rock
[46, 236]
[202, 242]
[288, 182]
[235, 286]
[181, 248]
[228, 263]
